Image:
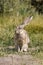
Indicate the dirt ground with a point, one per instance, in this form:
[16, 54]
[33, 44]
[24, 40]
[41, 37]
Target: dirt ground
[20, 59]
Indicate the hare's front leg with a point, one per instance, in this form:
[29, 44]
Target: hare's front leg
[17, 48]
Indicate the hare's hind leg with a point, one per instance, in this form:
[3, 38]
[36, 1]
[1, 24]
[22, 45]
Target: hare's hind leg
[24, 48]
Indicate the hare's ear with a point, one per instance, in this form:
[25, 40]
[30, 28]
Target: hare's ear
[26, 22]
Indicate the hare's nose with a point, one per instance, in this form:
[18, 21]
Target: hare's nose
[17, 32]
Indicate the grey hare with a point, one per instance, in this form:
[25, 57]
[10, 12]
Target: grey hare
[21, 38]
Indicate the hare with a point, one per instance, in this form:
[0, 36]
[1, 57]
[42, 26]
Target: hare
[21, 37]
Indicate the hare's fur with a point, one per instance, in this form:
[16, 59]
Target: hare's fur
[21, 37]
[21, 40]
